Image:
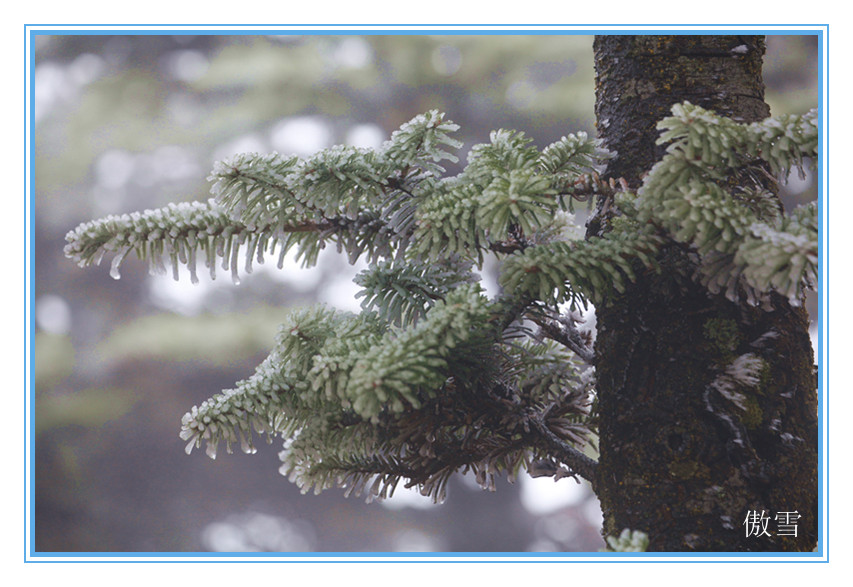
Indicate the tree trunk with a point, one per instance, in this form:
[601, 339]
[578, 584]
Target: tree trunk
[676, 462]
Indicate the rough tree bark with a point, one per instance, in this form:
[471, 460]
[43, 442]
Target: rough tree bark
[675, 463]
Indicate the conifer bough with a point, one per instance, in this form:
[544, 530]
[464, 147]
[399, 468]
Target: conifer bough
[433, 376]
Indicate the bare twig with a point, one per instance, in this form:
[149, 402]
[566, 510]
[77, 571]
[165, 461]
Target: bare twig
[577, 462]
[562, 329]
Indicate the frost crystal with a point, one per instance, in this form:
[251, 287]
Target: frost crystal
[743, 372]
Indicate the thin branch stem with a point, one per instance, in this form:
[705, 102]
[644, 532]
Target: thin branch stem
[563, 331]
[578, 462]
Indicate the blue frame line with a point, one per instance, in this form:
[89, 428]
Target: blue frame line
[375, 32]
[820, 30]
[823, 296]
[31, 297]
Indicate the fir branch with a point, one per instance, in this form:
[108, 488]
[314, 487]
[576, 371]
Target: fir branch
[746, 246]
[506, 151]
[175, 233]
[782, 256]
[255, 405]
[251, 187]
[408, 366]
[403, 293]
[421, 143]
[572, 156]
[572, 272]
[521, 198]
[433, 377]
[446, 225]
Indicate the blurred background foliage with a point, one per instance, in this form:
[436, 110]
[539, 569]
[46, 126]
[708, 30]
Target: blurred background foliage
[131, 122]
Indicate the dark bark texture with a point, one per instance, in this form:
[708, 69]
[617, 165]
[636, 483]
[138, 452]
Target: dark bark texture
[678, 461]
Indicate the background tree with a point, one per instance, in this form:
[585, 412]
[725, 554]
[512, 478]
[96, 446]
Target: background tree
[458, 494]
